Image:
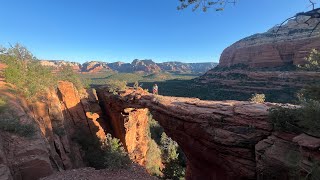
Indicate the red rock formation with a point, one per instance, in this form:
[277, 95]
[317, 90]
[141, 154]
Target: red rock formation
[219, 138]
[129, 125]
[95, 67]
[289, 46]
[56, 117]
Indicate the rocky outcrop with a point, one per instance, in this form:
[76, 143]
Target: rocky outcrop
[290, 45]
[56, 117]
[130, 126]
[57, 64]
[259, 81]
[144, 66]
[95, 67]
[221, 139]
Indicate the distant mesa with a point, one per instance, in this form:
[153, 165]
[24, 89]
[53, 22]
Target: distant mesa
[288, 46]
[144, 66]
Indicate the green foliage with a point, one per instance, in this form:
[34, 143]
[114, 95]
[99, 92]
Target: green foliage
[13, 125]
[313, 61]
[136, 85]
[3, 104]
[115, 85]
[174, 170]
[218, 5]
[169, 148]
[258, 98]
[109, 154]
[309, 117]
[153, 159]
[284, 119]
[25, 72]
[66, 73]
[305, 119]
[311, 92]
[29, 76]
[114, 154]
[174, 167]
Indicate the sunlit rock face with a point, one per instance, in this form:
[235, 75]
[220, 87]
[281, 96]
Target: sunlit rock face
[143, 66]
[290, 45]
[56, 117]
[221, 139]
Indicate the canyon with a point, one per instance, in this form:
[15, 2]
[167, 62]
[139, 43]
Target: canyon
[221, 139]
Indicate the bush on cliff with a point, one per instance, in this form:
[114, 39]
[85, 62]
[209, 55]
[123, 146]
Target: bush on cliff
[313, 61]
[100, 155]
[66, 73]
[306, 118]
[10, 123]
[114, 155]
[27, 74]
[153, 159]
[116, 85]
[258, 98]
[3, 104]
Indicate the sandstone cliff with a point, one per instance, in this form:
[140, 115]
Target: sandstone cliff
[221, 139]
[56, 117]
[289, 46]
[145, 66]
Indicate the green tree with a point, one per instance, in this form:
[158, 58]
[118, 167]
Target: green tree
[313, 61]
[218, 5]
[66, 73]
[26, 72]
[169, 148]
[153, 159]
[136, 85]
[115, 155]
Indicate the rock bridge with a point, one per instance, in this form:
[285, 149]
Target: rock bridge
[221, 139]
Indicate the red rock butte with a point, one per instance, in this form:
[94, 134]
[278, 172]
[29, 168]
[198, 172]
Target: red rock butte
[290, 45]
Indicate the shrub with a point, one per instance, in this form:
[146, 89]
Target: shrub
[136, 85]
[258, 98]
[169, 148]
[3, 105]
[174, 170]
[284, 119]
[115, 85]
[66, 73]
[305, 119]
[313, 61]
[153, 159]
[114, 153]
[109, 154]
[25, 72]
[13, 125]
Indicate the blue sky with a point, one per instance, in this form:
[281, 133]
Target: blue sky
[113, 30]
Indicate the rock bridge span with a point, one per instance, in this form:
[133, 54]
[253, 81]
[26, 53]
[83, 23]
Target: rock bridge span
[217, 137]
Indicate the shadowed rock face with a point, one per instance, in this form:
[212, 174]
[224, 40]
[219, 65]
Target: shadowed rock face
[289, 46]
[219, 138]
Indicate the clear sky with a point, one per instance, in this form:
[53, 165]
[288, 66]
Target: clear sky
[123, 30]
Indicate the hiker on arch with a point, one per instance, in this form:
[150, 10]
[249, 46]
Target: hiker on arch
[155, 89]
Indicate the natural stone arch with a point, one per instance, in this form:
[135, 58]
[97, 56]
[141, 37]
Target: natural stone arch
[218, 137]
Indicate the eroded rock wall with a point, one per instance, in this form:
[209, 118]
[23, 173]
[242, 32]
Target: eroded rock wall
[130, 126]
[221, 139]
[56, 117]
[290, 45]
